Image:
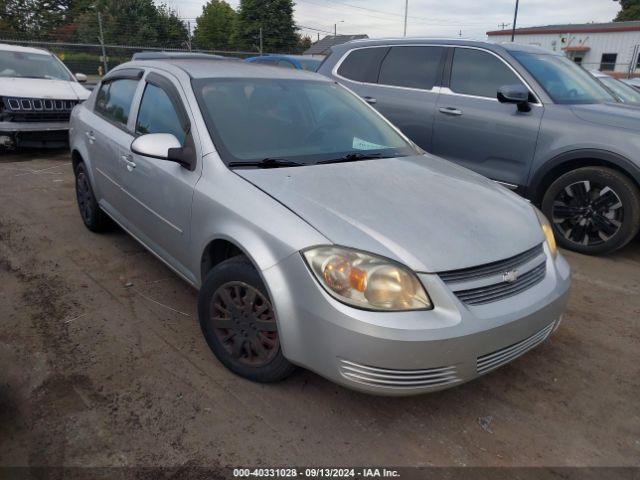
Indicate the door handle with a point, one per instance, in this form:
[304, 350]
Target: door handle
[90, 136]
[451, 111]
[370, 100]
[128, 161]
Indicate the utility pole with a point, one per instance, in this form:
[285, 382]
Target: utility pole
[335, 29]
[503, 25]
[101, 39]
[260, 41]
[515, 21]
[406, 12]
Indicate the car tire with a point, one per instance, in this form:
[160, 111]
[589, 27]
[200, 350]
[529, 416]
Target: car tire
[239, 324]
[594, 210]
[90, 212]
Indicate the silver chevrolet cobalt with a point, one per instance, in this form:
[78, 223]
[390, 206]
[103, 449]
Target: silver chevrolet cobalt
[317, 234]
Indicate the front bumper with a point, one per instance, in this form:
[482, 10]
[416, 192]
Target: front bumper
[403, 353]
[15, 127]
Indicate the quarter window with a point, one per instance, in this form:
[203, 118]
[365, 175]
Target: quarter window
[158, 115]
[414, 67]
[363, 65]
[114, 100]
[608, 62]
[479, 73]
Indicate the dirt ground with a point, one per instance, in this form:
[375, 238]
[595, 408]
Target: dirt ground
[102, 363]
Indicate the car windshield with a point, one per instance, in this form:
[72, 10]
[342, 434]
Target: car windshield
[563, 80]
[300, 121]
[621, 90]
[309, 64]
[32, 65]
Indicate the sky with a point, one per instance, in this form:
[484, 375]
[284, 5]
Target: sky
[433, 18]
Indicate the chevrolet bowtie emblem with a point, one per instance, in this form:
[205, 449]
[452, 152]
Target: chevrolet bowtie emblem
[510, 276]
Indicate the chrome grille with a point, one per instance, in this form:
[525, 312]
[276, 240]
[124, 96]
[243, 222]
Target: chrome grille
[500, 357]
[498, 280]
[391, 378]
[498, 291]
[491, 268]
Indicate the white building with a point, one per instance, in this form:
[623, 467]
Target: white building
[612, 47]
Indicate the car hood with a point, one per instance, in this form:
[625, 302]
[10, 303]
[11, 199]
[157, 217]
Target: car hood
[42, 88]
[619, 115]
[427, 213]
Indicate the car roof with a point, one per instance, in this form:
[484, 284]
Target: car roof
[198, 68]
[442, 41]
[598, 74]
[5, 47]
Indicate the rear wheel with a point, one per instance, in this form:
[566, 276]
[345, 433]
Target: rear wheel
[593, 210]
[239, 322]
[92, 215]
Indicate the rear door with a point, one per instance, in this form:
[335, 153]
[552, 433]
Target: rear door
[107, 133]
[401, 83]
[475, 130]
[159, 192]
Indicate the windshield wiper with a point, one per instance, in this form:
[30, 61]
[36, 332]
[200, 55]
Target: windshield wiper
[354, 157]
[268, 163]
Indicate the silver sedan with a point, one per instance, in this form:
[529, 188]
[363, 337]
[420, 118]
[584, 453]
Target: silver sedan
[317, 234]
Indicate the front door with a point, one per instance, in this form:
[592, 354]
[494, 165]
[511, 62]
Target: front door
[159, 193]
[475, 130]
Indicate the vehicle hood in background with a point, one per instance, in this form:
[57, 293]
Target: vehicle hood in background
[619, 115]
[425, 212]
[42, 88]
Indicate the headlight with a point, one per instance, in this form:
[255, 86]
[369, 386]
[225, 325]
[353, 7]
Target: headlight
[547, 229]
[366, 281]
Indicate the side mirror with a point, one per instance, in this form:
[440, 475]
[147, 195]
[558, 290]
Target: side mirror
[518, 94]
[81, 77]
[163, 146]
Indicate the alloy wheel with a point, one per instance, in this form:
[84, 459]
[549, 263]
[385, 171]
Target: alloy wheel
[244, 322]
[587, 213]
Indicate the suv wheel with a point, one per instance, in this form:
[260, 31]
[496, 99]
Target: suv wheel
[593, 210]
[92, 215]
[239, 322]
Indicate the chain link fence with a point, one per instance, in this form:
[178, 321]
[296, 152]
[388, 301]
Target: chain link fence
[88, 58]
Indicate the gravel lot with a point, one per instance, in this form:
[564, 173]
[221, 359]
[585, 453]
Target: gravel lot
[95, 372]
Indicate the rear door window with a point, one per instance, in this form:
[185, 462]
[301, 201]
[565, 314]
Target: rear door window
[363, 65]
[114, 100]
[413, 67]
[478, 73]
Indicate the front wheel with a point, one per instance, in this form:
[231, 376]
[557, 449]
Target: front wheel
[594, 210]
[239, 322]
[92, 215]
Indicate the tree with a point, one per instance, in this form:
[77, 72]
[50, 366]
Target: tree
[275, 17]
[630, 10]
[133, 22]
[33, 18]
[215, 26]
[304, 43]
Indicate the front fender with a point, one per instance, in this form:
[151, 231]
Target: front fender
[227, 207]
[573, 156]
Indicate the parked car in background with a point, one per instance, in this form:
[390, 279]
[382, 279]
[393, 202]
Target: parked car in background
[37, 94]
[623, 92]
[299, 62]
[162, 55]
[523, 116]
[318, 235]
[634, 82]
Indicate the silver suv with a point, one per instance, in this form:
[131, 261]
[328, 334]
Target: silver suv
[523, 116]
[317, 234]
